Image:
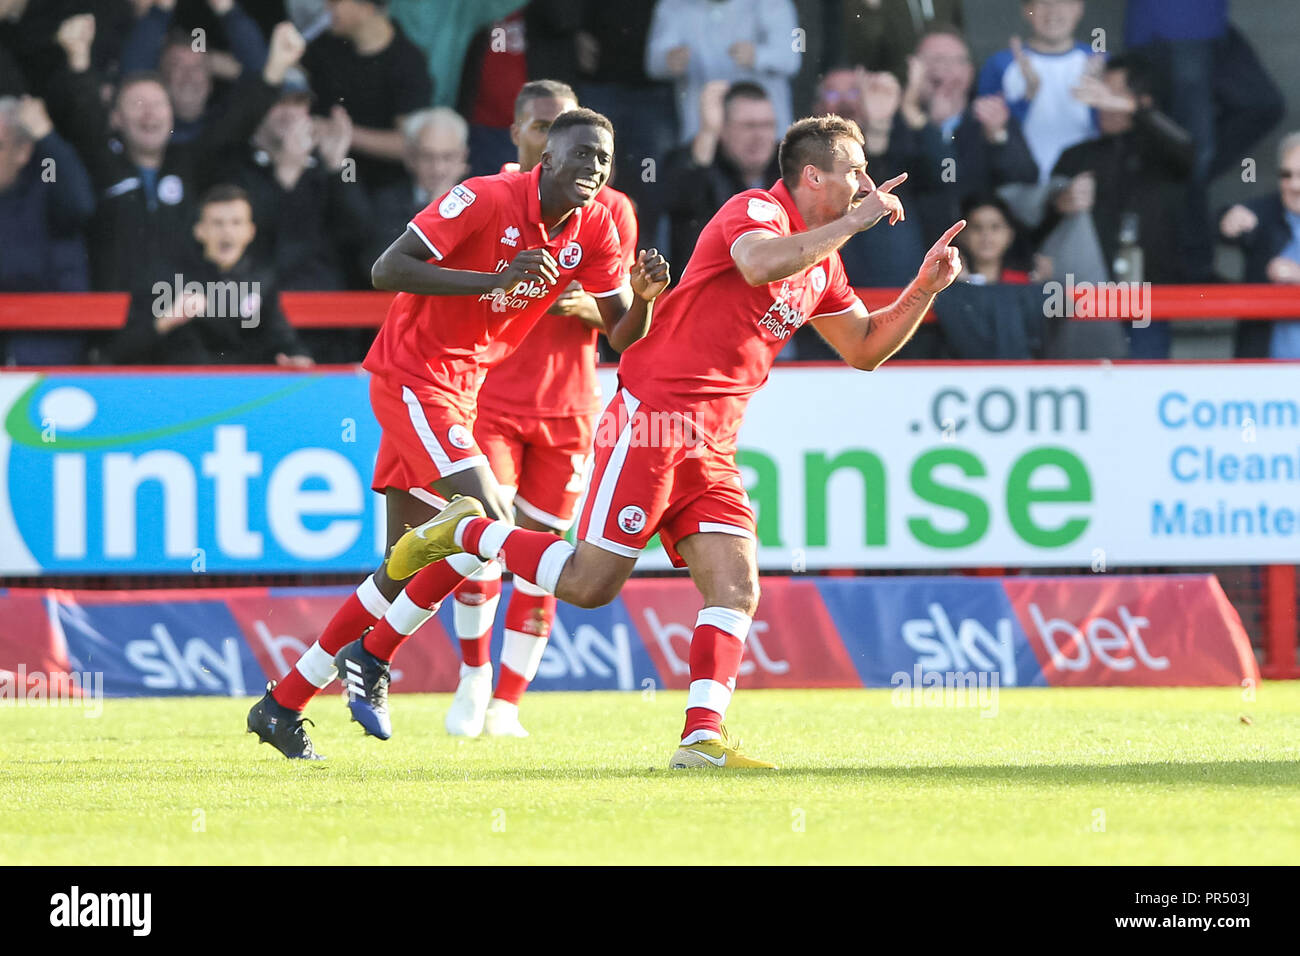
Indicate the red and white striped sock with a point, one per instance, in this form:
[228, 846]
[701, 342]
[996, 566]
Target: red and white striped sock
[476, 609]
[315, 669]
[418, 602]
[536, 556]
[716, 649]
[529, 617]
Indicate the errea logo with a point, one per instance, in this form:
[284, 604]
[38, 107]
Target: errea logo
[511, 237]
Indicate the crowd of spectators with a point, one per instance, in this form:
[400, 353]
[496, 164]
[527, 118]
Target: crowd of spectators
[283, 144]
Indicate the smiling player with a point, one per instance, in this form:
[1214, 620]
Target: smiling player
[466, 298]
[535, 416]
[766, 263]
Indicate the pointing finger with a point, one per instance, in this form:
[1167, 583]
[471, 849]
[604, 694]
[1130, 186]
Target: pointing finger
[893, 183]
[948, 236]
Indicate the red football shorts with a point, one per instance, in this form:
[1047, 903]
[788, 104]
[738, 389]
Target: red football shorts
[423, 439]
[651, 475]
[544, 459]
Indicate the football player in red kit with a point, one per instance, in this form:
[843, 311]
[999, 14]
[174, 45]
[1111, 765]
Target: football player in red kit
[466, 298]
[536, 413]
[766, 263]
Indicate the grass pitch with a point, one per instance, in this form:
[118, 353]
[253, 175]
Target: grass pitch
[1096, 776]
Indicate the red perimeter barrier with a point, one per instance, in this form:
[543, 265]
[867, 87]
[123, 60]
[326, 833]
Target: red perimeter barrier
[319, 310]
[326, 310]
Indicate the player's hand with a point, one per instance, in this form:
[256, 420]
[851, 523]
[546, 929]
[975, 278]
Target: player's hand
[570, 300]
[1026, 68]
[77, 35]
[1237, 221]
[285, 50]
[221, 7]
[880, 202]
[649, 275]
[942, 264]
[529, 265]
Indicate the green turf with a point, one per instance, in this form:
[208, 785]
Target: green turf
[1174, 776]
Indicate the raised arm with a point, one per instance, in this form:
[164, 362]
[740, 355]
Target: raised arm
[866, 339]
[766, 258]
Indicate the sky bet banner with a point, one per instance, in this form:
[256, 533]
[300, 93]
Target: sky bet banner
[907, 633]
[1092, 466]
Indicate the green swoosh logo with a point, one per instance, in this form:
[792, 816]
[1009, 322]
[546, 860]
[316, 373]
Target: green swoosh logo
[18, 423]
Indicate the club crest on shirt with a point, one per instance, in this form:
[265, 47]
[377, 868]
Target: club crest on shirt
[171, 190]
[817, 277]
[570, 255]
[631, 519]
[456, 201]
[459, 436]
[760, 210]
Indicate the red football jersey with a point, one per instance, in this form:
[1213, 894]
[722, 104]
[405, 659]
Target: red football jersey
[553, 372]
[714, 338]
[442, 344]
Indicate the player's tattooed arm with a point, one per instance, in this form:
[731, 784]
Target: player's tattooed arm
[404, 267]
[867, 339]
[627, 314]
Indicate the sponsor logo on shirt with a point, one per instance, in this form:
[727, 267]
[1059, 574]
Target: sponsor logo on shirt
[760, 210]
[631, 519]
[511, 237]
[456, 202]
[782, 318]
[571, 255]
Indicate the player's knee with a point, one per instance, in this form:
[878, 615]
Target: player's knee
[593, 593]
[738, 595]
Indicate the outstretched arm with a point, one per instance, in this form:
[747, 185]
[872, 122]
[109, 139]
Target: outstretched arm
[866, 339]
[765, 258]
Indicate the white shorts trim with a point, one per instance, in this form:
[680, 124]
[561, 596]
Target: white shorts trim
[437, 454]
[537, 514]
[428, 497]
[608, 481]
[465, 464]
[432, 248]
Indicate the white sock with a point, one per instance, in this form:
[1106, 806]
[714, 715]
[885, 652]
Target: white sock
[316, 666]
[371, 599]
